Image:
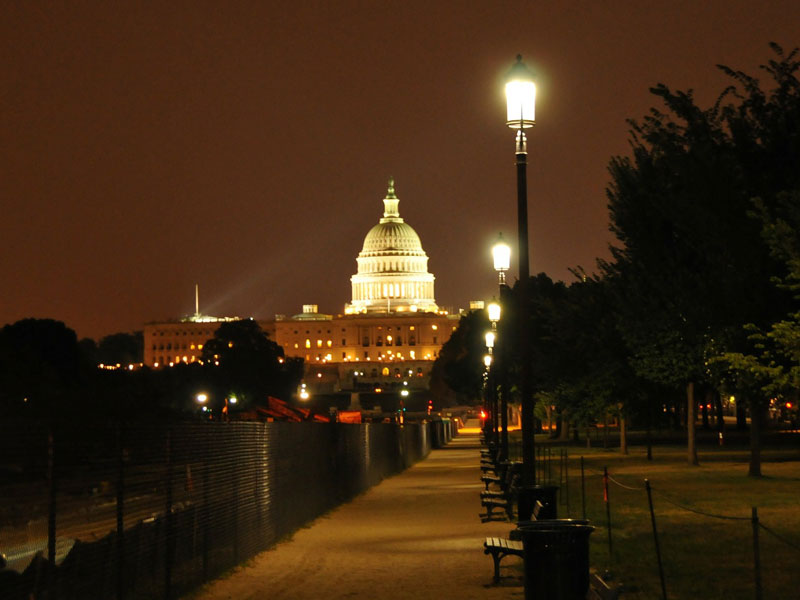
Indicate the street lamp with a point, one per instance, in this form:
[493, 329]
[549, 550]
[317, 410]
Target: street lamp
[520, 102]
[494, 311]
[501, 255]
[490, 338]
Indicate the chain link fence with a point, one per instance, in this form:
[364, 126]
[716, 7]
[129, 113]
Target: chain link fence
[130, 511]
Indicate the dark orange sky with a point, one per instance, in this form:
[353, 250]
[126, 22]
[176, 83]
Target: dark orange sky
[246, 146]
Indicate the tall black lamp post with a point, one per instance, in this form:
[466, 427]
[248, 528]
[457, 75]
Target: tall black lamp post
[501, 255]
[520, 101]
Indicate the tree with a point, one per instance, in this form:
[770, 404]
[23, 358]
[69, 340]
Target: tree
[690, 268]
[241, 360]
[41, 368]
[457, 373]
[121, 349]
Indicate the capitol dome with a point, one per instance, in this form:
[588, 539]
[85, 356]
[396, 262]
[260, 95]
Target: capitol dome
[392, 267]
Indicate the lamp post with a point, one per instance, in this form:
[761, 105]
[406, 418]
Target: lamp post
[491, 386]
[499, 381]
[520, 102]
[501, 257]
[488, 424]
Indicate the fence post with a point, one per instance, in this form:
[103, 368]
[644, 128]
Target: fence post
[235, 473]
[566, 477]
[655, 539]
[756, 554]
[208, 437]
[583, 490]
[120, 512]
[51, 511]
[168, 521]
[608, 509]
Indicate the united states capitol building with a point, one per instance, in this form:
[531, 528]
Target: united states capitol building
[388, 335]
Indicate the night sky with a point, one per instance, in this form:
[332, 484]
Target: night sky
[246, 146]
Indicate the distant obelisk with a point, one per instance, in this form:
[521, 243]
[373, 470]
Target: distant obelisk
[196, 300]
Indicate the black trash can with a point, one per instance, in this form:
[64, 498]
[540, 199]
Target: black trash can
[529, 494]
[516, 534]
[556, 556]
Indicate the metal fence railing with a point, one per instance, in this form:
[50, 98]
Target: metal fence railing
[153, 510]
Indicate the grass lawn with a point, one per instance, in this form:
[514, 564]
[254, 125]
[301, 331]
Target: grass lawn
[703, 556]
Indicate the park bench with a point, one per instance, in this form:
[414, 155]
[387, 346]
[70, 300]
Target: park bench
[503, 499]
[499, 548]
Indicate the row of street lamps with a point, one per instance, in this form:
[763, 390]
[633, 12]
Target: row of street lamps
[520, 102]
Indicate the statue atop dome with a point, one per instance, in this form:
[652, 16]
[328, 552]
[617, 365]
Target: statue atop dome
[392, 267]
[390, 202]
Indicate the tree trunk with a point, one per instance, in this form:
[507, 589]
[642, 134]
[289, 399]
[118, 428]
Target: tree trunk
[563, 435]
[741, 416]
[718, 411]
[605, 431]
[756, 423]
[549, 411]
[623, 437]
[690, 433]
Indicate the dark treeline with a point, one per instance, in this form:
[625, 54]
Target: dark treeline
[47, 373]
[699, 300]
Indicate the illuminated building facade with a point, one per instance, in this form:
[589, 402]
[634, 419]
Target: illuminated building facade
[389, 335]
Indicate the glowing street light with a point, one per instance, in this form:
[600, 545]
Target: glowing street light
[201, 398]
[501, 257]
[520, 115]
[490, 337]
[494, 310]
[520, 96]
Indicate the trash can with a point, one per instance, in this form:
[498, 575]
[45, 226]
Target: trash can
[556, 559]
[516, 534]
[529, 494]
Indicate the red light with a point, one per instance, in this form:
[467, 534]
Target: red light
[788, 405]
[483, 414]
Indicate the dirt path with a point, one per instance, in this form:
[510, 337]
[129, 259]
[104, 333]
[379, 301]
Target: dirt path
[416, 535]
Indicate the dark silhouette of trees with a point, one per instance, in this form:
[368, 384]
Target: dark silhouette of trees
[691, 269]
[241, 360]
[457, 374]
[41, 368]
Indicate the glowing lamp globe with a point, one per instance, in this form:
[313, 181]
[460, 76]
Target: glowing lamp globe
[494, 311]
[520, 96]
[490, 337]
[501, 255]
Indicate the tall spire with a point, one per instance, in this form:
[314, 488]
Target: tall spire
[390, 203]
